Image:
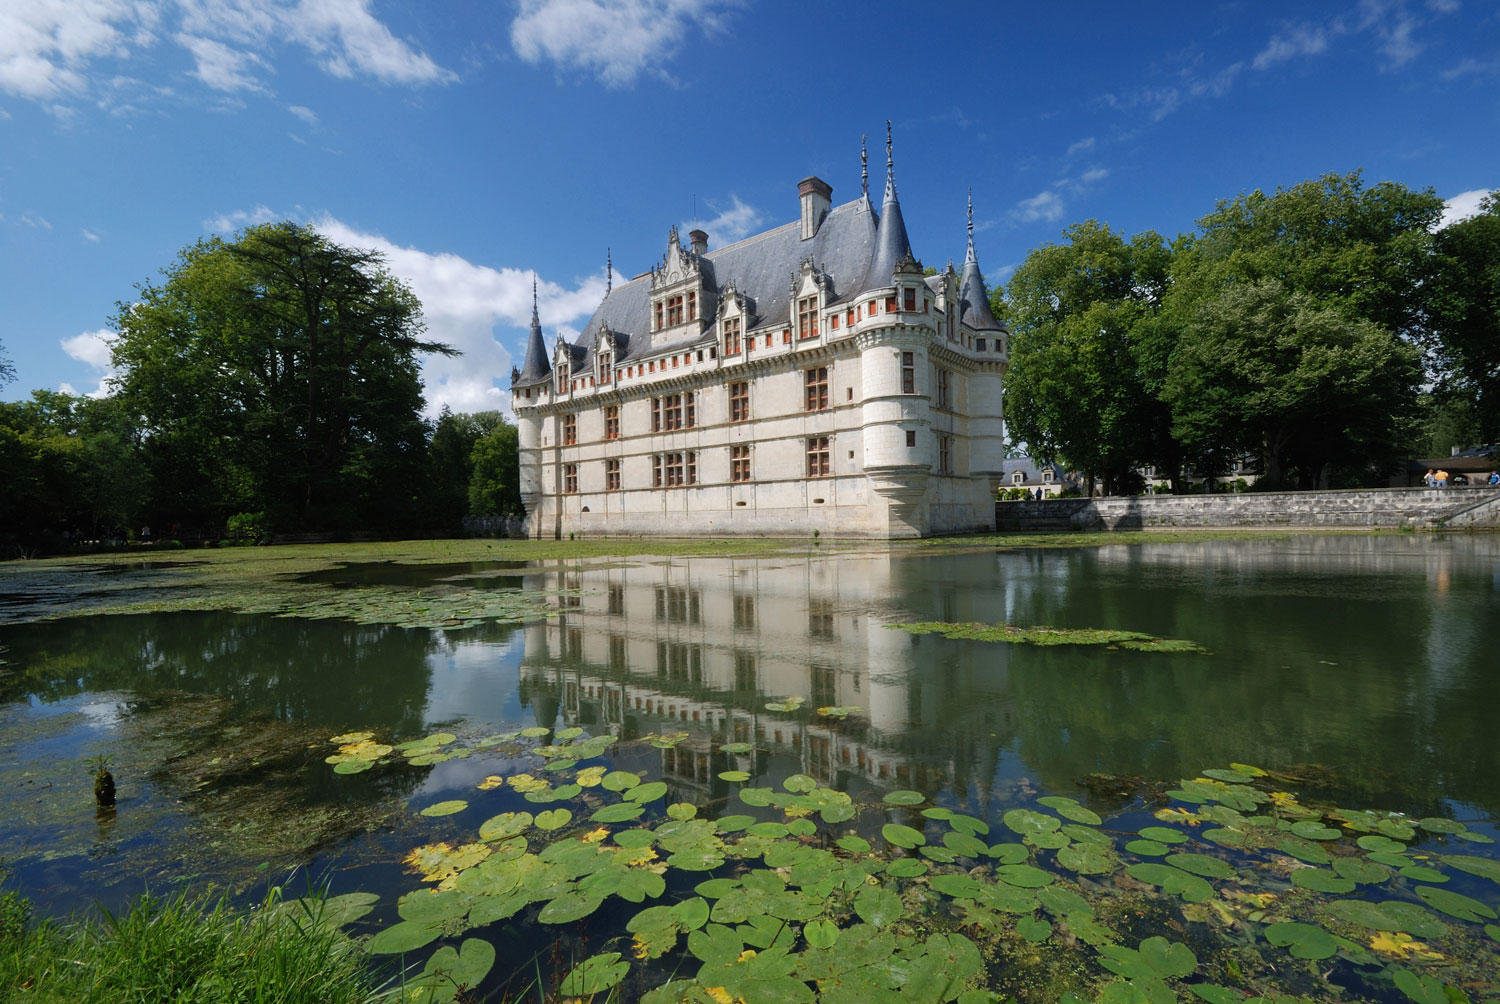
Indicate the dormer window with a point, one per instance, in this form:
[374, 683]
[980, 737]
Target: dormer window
[674, 311]
[606, 364]
[807, 317]
[1047, 476]
[731, 336]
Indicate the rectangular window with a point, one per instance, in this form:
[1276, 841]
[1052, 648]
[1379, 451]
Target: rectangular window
[908, 373]
[849, 317]
[672, 469]
[890, 305]
[612, 475]
[817, 388]
[982, 345]
[674, 311]
[690, 401]
[692, 467]
[786, 336]
[656, 414]
[612, 421]
[692, 305]
[945, 453]
[570, 479]
[833, 322]
[807, 317]
[739, 463]
[817, 457]
[656, 470]
[731, 336]
[911, 300]
[570, 430]
[739, 402]
[944, 396]
[911, 438]
[671, 412]
[744, 612]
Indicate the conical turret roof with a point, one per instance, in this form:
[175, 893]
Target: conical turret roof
[891, 243]
[976, 306]
[537, 367]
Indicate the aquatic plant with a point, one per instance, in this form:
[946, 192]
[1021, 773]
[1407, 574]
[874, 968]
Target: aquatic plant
[1251, 893]
[104, 779]
[970, 631]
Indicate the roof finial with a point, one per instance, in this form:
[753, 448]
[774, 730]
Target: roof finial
[609, 272]
[890, 170]
[971, 256]
[533, 295]
[864, 168]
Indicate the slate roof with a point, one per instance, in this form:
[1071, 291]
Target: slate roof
[760, 267]
[854, 247]
[537, 368]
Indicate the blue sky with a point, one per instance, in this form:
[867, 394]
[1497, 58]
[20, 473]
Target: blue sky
[477, 141]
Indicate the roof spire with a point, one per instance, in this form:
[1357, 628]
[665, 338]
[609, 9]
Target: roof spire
[609, 272]
[971, 256]
[864, 168]
[890, 170]
[974, 305]
[537, 367]
[891, 242]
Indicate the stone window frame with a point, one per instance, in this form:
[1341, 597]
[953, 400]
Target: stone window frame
[570, 429]
[816, 378]
[908, 372]
[570, 479]
[807, 317]
[732, 336]
[944, 389]
[612, 474]
[739, 401]
[819, 456]
[945, 453]
[739, 463]
[611, 421]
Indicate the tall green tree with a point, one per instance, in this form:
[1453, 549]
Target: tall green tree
[1463, 301]
[278, 372]
[495, 484]
[1088, 350]
[1342, 257]
[1303, 386]
[7, 368]
[450, 454]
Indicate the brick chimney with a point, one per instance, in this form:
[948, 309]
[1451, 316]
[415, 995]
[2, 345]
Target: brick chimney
[815, 193]
[697, 241]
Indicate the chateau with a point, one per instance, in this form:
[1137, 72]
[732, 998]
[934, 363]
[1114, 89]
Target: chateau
[809, 378]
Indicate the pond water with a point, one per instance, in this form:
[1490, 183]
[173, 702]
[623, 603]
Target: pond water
[1361, 668]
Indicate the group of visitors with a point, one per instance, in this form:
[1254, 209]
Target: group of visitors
[1441, 479]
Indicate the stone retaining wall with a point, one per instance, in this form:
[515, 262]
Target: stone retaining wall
[1423, 508]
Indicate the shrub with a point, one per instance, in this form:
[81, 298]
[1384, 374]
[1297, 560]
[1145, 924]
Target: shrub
[246, 528]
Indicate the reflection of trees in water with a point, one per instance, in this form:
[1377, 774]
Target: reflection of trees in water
[293, 670]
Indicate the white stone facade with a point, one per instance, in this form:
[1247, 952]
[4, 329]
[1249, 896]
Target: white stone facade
[778, 386]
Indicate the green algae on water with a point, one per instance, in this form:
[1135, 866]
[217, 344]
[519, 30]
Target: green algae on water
[1048, 636]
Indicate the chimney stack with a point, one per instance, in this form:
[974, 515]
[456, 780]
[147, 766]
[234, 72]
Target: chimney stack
[815, 193]
[697, 241]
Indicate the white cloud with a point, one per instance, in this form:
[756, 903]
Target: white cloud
[352, 40]
[462, 304]
[305, 114]
[1462, 206]
[1082, 146]
[732, 224]
[1046, 207]
[36, 222]
[48, 48]
[1292, 41]
[89, 235]
[616, 40]
[1094, 174]
[92, 348]
[220, 67]
[1465, 67]
[241, 218]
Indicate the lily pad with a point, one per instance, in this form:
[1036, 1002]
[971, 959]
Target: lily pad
[1069, 808]
[465, 966]
[407, 936]
[553, 819]
[851, 843]
[1026, 822]
[734, 775]
[1201, 864]
[445, 808]
[1455, 904]
[902, 835]
[904, 798]
[1087, 859]
[594, 975]
[1303, 940]
[1163, 834]
[1321, 880]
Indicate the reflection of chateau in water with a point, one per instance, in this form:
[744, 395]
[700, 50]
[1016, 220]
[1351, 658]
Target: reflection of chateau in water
[702, 647]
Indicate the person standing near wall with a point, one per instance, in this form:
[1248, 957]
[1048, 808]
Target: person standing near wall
[1442, 478]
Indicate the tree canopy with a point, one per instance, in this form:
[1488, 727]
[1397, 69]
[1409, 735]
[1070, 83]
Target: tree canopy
[1463, 310]
[277, 373]
[1285, 327]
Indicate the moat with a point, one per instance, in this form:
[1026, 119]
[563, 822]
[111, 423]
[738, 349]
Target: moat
[1359, 669]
